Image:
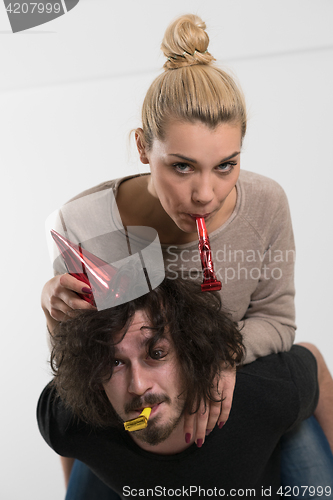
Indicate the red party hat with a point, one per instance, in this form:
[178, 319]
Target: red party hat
[86, 267]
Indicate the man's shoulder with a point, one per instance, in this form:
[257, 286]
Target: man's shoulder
[65, 432]
[285, 384]
[282, 365]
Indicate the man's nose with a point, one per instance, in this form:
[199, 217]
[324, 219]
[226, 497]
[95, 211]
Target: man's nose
[203, 189]
[140, 380]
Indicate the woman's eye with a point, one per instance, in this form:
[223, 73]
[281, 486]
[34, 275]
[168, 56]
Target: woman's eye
[182, 168]
[226, 167]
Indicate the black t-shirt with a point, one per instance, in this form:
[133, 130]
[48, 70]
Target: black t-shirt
[272, 395]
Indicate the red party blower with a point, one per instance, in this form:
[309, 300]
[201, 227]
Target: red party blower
[79, 262]
[210, 283]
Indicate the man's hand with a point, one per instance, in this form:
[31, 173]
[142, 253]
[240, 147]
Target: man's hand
[204, 420]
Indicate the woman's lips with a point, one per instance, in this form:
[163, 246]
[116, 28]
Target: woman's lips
[192, 217]
[200, 215]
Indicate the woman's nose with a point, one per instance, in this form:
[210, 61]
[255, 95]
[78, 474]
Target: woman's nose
[140, 380]
[203, 190]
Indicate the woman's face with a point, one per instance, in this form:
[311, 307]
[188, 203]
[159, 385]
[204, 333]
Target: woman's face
[194, 170]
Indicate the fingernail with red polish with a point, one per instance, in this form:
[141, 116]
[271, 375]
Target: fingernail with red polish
[208, 431]
[221, 424]
[86, 290]
[187, 437]
[199, 443]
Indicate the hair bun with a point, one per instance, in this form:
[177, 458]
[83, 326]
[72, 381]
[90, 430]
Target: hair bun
[185, 43]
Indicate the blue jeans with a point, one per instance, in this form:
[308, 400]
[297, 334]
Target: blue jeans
[306, 460]
[84, 485]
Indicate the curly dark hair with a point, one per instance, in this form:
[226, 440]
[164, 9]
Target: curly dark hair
[205, 340]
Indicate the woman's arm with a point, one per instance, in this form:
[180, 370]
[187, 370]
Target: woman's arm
[268, 325]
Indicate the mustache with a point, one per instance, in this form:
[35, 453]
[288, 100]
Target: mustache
[149, 400]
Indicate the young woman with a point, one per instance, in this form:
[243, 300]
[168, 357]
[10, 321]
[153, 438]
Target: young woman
[193, 124]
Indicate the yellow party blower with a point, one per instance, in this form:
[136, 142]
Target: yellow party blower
[141, 422]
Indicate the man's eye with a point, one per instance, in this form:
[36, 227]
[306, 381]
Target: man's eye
[117, 362]
[158, 354]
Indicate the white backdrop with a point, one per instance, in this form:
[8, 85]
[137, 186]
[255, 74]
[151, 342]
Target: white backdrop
[70, 92]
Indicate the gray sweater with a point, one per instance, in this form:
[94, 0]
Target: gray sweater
[253, 255]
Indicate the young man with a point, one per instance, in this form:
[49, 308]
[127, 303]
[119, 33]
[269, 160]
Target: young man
[163, 350]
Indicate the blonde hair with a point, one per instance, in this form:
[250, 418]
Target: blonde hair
[191, 87]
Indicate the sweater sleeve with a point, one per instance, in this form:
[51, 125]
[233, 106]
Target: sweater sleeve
[268, 325]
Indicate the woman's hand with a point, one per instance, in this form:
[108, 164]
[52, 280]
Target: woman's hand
[204, 420]
[60, 299]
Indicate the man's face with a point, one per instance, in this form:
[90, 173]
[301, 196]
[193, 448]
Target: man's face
[140, 380]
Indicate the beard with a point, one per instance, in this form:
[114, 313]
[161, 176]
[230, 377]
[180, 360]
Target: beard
[155, 432]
